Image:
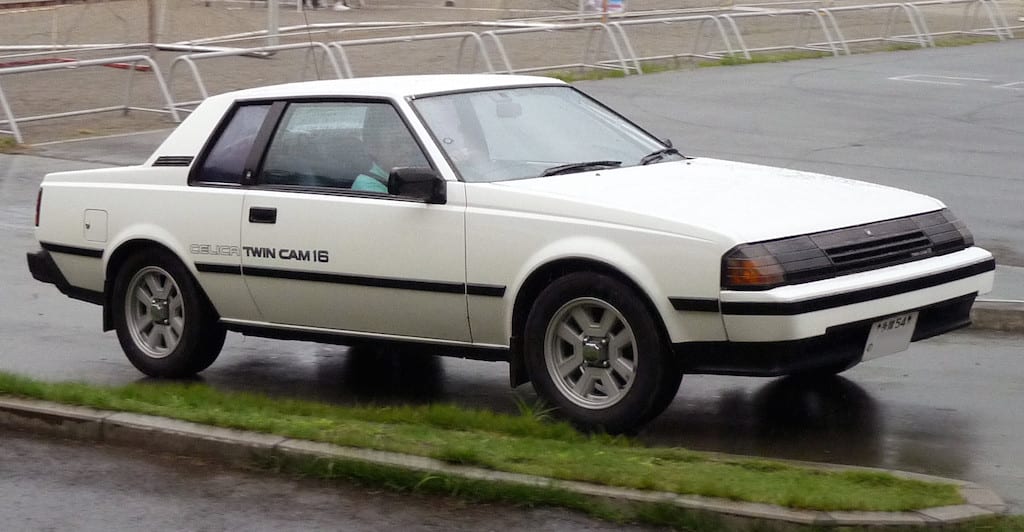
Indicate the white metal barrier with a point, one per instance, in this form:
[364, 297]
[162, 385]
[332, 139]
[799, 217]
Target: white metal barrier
[260, 52]
[463, 38]
[590, 54]
[802, 15]
[998, 25]
[695, 50]
[892, 10]
[130, 60]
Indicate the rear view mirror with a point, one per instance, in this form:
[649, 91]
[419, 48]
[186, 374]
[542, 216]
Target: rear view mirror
[421, 183]
[508, 109]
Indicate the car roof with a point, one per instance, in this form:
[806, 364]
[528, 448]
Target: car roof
[396, 87]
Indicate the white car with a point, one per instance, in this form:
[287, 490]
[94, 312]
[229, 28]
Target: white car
[503, 218]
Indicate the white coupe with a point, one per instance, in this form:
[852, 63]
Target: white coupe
[503, 218]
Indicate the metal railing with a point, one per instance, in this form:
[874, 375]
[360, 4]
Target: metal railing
[999, 27]
[695, 50]
[590, 53]
[131, 60]
[892, 10]
[463, 38]
[259, 52]
[802, 40]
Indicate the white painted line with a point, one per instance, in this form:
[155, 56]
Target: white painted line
[935, 80]
[84, 139]
[1014, 86]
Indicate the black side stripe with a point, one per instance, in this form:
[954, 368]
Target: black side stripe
[488, 290]
[173, 160]
[357, 280]
[71, 250]
[694, 304]
[859, 296]
[219, 268]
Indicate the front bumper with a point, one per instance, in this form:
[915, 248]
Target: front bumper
[809, 310]
[841, 346]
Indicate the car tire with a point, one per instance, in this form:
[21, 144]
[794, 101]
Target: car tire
[595, 353]
[164, 323]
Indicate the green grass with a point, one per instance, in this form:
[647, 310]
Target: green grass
[9, 145]
[520, 444]
[779, 57]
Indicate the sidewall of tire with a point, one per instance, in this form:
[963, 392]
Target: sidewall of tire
[655, 372]
[202, 337]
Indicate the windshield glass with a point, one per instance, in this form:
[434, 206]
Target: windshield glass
[502, 134]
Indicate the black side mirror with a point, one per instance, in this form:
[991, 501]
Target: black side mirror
[421, 183]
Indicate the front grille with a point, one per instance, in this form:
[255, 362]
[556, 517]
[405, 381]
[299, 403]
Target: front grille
[872, 246]
[829, 254]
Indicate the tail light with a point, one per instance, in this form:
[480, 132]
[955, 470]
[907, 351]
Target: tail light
[39, 202]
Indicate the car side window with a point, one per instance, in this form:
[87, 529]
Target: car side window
[352, 145]
[225, 162]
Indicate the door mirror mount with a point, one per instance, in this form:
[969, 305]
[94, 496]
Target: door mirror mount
[420, 183]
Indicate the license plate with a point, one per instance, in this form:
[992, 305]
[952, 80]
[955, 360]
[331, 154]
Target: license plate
[890, 335]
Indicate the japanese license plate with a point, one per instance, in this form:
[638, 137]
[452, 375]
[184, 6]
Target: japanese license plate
[890, 335]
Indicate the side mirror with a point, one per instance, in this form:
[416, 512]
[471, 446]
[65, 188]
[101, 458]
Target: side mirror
[421, 183]
[667, 142]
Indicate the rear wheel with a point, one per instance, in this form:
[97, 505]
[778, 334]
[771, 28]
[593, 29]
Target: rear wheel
[164, 323]
[594, 352]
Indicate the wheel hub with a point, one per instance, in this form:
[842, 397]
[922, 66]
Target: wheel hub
[595, 351]
[158, 309]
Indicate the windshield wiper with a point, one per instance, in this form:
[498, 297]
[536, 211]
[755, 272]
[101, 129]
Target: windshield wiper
[658, 155]
[579, 167]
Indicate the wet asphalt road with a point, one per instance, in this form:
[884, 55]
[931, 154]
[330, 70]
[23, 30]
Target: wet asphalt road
[949, 406]
[49, 485]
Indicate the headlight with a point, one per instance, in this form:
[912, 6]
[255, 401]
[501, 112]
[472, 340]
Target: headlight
[767, 265]
[801, 259]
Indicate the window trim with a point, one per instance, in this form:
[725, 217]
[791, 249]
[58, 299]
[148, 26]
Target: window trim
[211, 141]
[259, 154]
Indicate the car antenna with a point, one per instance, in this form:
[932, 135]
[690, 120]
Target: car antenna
[309, 35]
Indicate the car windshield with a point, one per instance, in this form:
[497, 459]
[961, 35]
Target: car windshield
[516, 133]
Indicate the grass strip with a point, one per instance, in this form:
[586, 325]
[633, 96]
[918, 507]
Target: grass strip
[519, 444]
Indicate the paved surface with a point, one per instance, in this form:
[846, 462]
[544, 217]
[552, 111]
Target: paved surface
[48, 485]
[945, 407]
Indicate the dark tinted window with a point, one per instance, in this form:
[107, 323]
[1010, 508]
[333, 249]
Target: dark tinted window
[226, 160]
[340, 145]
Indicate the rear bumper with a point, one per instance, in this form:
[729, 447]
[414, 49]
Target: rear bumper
[840, 346]
[44, 269]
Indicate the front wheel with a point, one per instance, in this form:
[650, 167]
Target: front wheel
[594, 351]
[165, 325]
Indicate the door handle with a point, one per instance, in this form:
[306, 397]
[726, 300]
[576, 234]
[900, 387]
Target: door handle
[262, 215]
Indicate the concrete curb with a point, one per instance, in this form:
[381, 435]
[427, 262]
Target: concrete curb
[998, 315]
[243, 448]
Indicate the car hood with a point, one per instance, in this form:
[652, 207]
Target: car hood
[738, 201]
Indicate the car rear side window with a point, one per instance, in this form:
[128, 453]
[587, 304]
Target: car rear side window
[225, 162]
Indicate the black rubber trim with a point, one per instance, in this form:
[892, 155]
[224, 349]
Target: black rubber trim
[488, 290]
[173, 160]
[693, 304]
[44, 269]
[859, 296]
[357, 280]
[412, 347]
[219, 268]
[72, 250]
[840, 346]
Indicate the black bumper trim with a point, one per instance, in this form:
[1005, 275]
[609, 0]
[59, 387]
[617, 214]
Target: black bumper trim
[45, 270]
[842, 345]
[859, 296]
[694, 304]
[72, 250]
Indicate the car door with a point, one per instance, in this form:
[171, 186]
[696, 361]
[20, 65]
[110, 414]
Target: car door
[325, 246]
